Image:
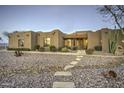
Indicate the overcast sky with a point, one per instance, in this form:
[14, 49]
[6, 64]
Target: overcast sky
[46, 18]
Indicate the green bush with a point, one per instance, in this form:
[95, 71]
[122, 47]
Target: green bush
[59, 49]
[64, 49]
[47, 48]
[98, 48]
[41, 49]
[21, 49]
[89, 51]
[37, 47]
[53, 48]
[74, 48]
[68, 47]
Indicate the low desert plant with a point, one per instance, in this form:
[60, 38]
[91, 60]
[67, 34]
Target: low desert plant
[110, 74]
[68, 47]
[41, 49]
[59, 49]
[37, 47]
[53, 48]
[98, 48]
[47, 48]
[21, 49]
[18, 53]
[74, 48]
[89, 51]
[64, 49]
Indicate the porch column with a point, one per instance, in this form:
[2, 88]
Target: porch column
[73, 42]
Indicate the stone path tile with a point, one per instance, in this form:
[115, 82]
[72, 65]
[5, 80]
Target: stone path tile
[63, 85]
[78, 59]
[73, 62]
[68, 67]
[63, 73]
[79, 56]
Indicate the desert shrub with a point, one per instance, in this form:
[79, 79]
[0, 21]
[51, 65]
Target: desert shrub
[53, 48]
[46, 45]
[74, 48]
[89, 51]
[110, 74]
[18, 53]
[25, 49]
[64, 49]
[41, 49]
[37, 47]
[59, 49]
[98, 48]
[47, 48]
[68, 47]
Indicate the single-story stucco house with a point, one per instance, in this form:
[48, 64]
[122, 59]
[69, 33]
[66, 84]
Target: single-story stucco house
[80, 39]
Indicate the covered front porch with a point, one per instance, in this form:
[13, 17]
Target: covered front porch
[78, 41]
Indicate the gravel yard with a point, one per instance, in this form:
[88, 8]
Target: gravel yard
[92, 78]
[37, 70]
[91, 61]
[31, 69]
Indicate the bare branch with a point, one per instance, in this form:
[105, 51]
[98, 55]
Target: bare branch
[116, 13]
[5, 33]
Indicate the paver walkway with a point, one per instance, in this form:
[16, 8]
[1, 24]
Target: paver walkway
[68, 67]
[73, 62]
[61, 84]
[63, 73]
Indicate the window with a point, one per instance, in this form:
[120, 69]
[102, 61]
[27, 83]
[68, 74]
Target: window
[47, 41]
[69, 42]
[20, 42]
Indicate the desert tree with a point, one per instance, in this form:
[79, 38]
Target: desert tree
[5, 33]
[0, 38]
[114, 13]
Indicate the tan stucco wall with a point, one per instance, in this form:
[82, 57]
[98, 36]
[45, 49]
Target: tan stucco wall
[55, 36]
[60, 39]
[12, 41]
[104, 37]
[93, 39]
[14, 37]
[27, 40]
[121, 37]
[33, 40]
